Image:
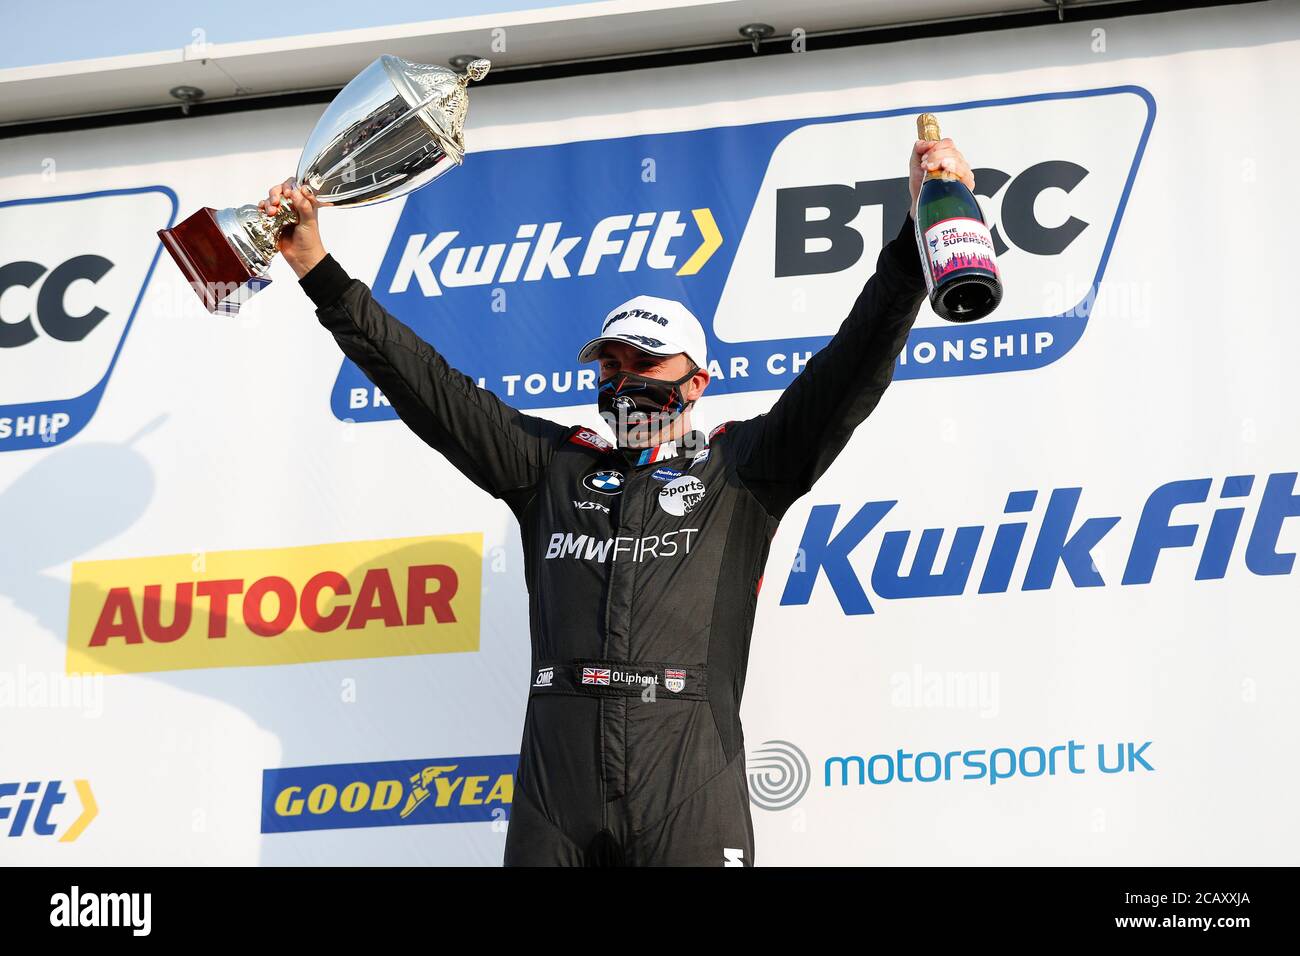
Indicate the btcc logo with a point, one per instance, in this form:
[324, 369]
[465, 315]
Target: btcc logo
[73, 272]
[837, 245]
[52, 312]
[1051, 211]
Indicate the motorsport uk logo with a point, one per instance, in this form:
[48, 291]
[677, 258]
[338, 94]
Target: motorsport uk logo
[1203, 540]
[71, 281]
[388, 793]
[779, 772]
[508, 272]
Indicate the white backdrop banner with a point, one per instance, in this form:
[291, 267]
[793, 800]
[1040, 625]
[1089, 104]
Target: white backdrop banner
[1041, 610]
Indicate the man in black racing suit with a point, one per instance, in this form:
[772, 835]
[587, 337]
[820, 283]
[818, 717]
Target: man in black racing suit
[641, 605]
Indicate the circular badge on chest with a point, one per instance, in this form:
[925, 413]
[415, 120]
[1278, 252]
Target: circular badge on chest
[681, 495]
[606, 481]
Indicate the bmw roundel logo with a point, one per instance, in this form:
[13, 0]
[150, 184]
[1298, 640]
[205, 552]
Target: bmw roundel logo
[606, 481]
[623, 401]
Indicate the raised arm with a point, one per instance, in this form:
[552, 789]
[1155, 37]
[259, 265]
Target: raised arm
[784, 451]
[497, 447]
[500, 449]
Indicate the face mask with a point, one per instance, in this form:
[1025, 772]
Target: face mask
[630, 401]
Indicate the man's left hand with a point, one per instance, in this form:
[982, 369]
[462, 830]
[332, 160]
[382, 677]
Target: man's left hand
[928, 156]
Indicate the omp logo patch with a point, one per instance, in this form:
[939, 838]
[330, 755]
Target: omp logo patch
[589, 438]
[73, 270]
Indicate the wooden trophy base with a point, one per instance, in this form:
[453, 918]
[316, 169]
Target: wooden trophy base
[221, 278]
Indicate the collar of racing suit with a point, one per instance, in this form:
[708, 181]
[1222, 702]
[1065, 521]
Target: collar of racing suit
[687, 444]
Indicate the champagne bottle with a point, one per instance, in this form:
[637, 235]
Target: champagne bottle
[956, 247]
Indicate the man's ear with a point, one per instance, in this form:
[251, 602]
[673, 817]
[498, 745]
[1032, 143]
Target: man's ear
[699, 382]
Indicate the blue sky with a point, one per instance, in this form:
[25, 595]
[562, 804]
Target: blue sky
[51, 31]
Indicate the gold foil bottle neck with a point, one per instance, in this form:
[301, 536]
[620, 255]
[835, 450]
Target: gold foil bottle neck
[927, 128]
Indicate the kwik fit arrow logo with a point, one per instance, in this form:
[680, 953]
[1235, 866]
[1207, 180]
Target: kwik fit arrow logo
[626, 242]
[41, 808]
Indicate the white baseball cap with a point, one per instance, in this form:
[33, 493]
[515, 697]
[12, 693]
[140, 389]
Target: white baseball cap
[660, 326]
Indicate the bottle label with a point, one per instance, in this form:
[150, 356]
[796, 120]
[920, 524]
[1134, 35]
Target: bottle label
[954, 244]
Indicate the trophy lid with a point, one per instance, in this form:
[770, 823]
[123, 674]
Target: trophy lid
[395, 127]
[438, 94]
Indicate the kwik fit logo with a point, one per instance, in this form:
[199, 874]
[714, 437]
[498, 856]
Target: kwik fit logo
[510, 271]
[1182, 532]
[73, 270]
[46, 808]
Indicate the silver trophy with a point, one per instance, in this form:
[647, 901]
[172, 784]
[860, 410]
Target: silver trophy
[395, 127]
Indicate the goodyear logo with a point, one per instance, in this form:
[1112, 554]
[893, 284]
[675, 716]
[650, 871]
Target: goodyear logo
[383, 598]
[388, 793]
[43, 808]
[767, 232]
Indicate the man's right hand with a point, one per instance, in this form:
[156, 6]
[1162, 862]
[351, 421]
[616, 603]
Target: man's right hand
[300, 244]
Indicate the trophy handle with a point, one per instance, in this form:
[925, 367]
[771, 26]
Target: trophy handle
[263, 231]
[226, 254]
